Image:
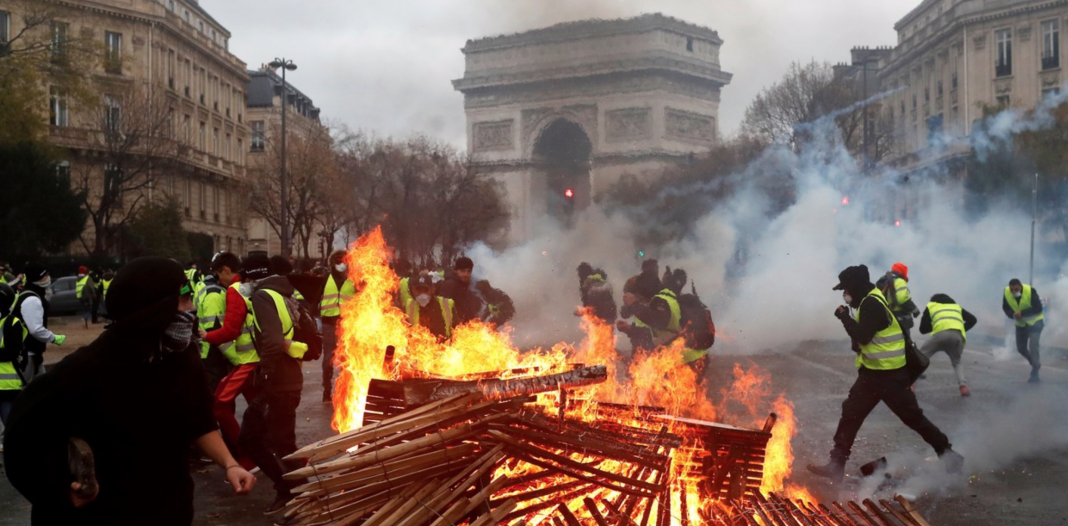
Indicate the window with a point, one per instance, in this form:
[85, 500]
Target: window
[927, 94]
[934, 127]
[188, 77]
[113, 56]
[200, 26]
[59, 39]
[202, 193]
[1050, 92]
[57, 109]
[187, 129]
[5, 26]
[170, 5]
[228, 152]
[241, 151]
[258, 136]
[187, 197]
[203, 84]
[953, 81]
[185, 15]
[112, 114]
[689, 45]
[63, 170]
[1051, 44]
[215, 142]
[1003, 101]
[170, 69]
[113, 182]
[939, 89]
[203, 135]
[1003, 50]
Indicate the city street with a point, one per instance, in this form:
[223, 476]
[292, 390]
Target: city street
[1007, 429]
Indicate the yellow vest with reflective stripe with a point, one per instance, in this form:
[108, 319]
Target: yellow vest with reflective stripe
[211, 308]
[242, 350]
[676, 312]
[294, 349]
[885, 351]
[81, 285]
[901, 292]
[330, 305]
[946, 317]
[106, 284]
[447, 306]
[10, 380]
[1021, 305]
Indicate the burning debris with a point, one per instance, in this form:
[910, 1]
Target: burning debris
[429, 437]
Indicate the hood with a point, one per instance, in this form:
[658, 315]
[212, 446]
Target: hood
[279, 284]
[943, 298]
[144, 295]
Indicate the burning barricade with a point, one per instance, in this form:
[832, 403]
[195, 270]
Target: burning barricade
[428, 437]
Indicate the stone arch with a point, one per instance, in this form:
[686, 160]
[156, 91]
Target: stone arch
[562, 161]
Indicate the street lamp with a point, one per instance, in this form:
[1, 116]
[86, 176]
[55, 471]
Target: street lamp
[285, 64]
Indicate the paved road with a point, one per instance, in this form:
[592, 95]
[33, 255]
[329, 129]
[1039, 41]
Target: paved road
[1013, 435]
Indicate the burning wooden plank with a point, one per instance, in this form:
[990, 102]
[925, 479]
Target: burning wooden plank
[418, 392]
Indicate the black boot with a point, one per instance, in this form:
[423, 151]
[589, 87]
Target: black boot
[834, 469]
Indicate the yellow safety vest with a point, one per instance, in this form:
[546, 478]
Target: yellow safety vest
[10, 379]
[1021, 305]
[405, 292]
[243, 349]
[447, 306]
[81, 285]
[885, 351]
[674, 324]
[106, 285]
[946, 317]
[330, 305]
[901, 292]
[211, 308]
[191, 274]
[294, 349]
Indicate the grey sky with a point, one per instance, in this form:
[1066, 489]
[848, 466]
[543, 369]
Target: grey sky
[386, 67]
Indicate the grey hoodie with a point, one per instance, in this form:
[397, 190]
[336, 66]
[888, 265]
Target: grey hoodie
[280, 371]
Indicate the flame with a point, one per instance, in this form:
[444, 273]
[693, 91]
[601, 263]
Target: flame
[370, 322]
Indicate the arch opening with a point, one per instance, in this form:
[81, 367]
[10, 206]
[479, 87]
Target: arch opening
[562, 157]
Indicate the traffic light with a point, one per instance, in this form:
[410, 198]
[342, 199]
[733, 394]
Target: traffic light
[569, 193]
[641, 253]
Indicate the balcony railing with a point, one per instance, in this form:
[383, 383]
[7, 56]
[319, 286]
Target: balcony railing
[1051, 62]
[1003, 70]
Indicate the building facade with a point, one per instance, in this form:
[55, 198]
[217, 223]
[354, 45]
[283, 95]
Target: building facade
[170, 61]
[561, 113]
[955, 59]
[265, 89]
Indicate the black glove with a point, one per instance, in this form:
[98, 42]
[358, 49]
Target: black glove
[842, 312]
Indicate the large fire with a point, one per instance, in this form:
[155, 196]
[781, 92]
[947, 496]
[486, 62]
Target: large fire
[371, 323]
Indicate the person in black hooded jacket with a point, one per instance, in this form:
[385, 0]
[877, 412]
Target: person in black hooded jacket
[137, 397]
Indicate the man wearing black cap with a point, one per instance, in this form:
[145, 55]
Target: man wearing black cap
[32, 309]
[879, 342]
[457, 287]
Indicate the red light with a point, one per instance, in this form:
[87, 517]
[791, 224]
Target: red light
[897, 223]
[845, 200]
[569, 193]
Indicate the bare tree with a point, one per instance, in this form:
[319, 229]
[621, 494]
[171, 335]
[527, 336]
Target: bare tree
[132, 131]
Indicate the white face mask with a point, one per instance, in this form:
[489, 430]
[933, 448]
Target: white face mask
[245, 289]
[44, 283]
[423, 300]
[847, 298]
[1017, 295]
[341, 267]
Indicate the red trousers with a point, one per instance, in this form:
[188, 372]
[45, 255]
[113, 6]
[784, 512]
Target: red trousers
[240, 381]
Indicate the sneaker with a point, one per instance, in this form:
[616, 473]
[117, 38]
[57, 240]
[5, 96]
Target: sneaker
[278, 505]
[953, 460]
[1034, 378]
[964, 391]
[833, 469]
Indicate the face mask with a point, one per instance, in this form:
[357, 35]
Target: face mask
[341, 267]
[423, 300]
[44, 283]
[245, 289]
[847, 298]
[1017, 295]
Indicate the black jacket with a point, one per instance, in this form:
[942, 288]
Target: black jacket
[925, 323]
[278, 371]
[874, 317]
[1036, 305]
[498, 308]
[139, 409]
[656, 315]
[468, 304]
[597, 295]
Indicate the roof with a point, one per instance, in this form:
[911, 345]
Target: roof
[195, 4]
[261, 88]
[593, 28]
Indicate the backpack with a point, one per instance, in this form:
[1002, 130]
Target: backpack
[305, 330]
[696, 321]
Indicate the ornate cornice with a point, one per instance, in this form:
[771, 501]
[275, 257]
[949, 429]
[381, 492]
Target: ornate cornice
[656, 62]
[592, 28]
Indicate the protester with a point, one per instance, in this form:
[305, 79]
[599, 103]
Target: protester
[457, 287]
[948, 324]
[641, 335]
[596, 293]
[498, 308]
[136, 396]
[429, 310]
[32, 308]
[12, 335]
[337, 289]
[1022, 304]
[86, 289]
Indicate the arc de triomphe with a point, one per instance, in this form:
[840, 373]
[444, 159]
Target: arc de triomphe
[575, 106]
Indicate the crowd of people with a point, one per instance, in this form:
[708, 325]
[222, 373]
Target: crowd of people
[182, 345]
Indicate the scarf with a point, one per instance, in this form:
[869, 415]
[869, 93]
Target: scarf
[179, 334]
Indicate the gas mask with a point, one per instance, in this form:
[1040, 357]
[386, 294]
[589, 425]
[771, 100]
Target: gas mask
[341, 267]
[423, 300]
[847, 298]
[245, 289]
[1017, 295]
